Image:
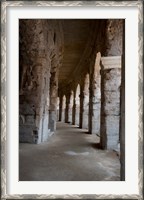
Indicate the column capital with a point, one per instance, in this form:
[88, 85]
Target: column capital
[111, 62]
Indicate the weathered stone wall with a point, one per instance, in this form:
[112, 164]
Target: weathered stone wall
[114, 37]
[36, 46]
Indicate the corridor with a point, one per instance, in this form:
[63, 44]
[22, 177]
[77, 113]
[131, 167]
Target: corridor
[70, 154]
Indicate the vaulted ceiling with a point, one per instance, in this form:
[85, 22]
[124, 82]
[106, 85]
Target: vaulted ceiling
[76, 36]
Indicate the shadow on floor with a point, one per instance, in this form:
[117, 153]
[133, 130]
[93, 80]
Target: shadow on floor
[95, 145]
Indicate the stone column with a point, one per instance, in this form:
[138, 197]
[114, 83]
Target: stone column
[60, 108]
[70, 108]
[73, 111]
[122, 123]
[77, 110]
[53, 101]
[110, 101]
[34, 102]
[52, 118]
[45, 103]
[81, 107]
[95, 98]
[67, 108]
[58, 103]
[90, 107]
[63, 108]
[85, 103]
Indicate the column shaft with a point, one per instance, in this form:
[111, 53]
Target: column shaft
[95, 98]
[110, 98]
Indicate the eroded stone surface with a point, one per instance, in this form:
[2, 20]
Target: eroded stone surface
[110, 106]
[37, 52]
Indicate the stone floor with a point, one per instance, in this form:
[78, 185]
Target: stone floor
[71, 154]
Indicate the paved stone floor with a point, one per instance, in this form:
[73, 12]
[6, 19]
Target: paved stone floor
[71, 154]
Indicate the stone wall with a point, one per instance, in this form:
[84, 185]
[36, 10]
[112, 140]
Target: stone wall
[37, 46]
[114, 37]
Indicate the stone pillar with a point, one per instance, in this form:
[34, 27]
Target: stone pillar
[77, 110]
[58, 105]
[45, 103]
[81, 107]
[52, 119]
[63, 108]
[90, 107]
[122, 123]
[85, 103]
[76, 107]
[60, 108]
[95, 98]
[73, 111]
[53, 101]
[110, 101]
[70, 107]
[67, 108]
[34, 102]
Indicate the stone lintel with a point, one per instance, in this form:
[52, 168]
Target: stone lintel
[111, 62]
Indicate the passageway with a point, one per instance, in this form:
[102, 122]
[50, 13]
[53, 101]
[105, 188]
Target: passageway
[71, 99]
[71, 154]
